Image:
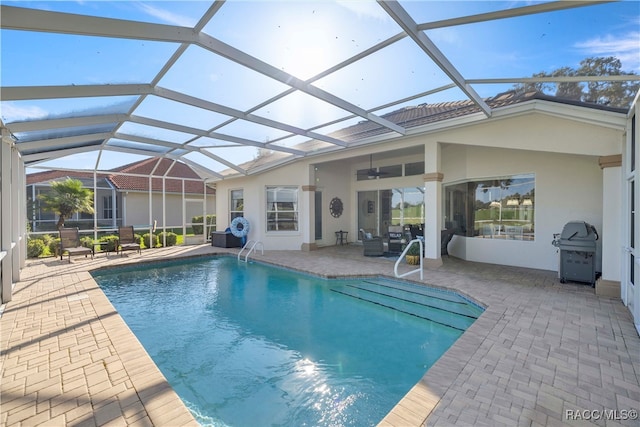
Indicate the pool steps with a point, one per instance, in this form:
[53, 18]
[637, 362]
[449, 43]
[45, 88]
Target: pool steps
[419, 303]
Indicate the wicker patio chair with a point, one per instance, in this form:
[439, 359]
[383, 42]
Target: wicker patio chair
[395, 235]
[373, 245]
[70, 243]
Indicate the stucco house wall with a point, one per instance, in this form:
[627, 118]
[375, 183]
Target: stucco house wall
[136, 207]
[561, 145]
[568, 187]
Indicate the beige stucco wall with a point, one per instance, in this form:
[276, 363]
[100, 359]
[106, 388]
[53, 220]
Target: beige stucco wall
[568, 187]
[254, 187]
[562, 153]
[136, 209]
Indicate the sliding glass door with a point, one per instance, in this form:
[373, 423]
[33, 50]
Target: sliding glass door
[368, 212]
[379, 209]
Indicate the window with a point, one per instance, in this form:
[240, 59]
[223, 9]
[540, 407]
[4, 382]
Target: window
[498, 208]
[41, 213]
[237, 204]
[107, 207]
[390, 171]
[378, 209]
[318, 214]
[407, 206]
[282, 208]
[414, 168]
[393, 171]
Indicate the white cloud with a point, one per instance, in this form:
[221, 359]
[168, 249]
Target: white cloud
[624, 48]
[447, 35]
[365, 9]
[166, 16]
[13, 113]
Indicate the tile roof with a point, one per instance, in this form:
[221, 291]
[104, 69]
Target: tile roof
[134, 182]
[52, 175]
[410, 117]
[414, 116]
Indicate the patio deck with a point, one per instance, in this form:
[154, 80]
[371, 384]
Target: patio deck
[542, 351]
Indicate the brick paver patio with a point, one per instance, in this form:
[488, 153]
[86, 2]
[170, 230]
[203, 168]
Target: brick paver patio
[542, 352]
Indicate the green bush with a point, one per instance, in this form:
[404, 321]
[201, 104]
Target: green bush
[35, 248]
[108, 243]
[48, 238]
[54, 245]
[414, 249]
[171, 238]
[197, 223]
[150, 240]
[86, 241]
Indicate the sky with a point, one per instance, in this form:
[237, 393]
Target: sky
[302, 39]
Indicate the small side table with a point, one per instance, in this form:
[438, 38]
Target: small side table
[98, 246]
[341, 237]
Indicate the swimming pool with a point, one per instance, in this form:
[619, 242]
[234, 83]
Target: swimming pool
[250, 344]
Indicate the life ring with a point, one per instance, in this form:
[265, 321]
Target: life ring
[239, 227]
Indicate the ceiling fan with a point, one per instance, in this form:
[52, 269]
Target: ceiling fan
[371, 173]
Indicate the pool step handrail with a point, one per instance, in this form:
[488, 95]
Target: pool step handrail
[253, 244]
[401, 258]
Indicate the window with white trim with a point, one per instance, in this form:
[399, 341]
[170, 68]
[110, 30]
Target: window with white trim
[282, 208]
[497, 208]
[107, 207]
[236, 199]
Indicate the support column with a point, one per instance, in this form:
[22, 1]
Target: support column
[307, 212]
[17, 226]
[432, 204]
[6, 252]
[95, 205]
[609, 282]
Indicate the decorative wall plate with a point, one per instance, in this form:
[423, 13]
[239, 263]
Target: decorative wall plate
[335, 207]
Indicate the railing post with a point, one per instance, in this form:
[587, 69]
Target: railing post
[399, 260]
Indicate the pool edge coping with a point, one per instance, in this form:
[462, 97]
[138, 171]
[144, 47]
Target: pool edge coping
[153, 389]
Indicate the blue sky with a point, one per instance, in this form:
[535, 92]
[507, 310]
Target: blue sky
[302, 39]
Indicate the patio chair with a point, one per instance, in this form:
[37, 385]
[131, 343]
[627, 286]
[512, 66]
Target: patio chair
[445, 238]
[70, 243]
[127, 240]
[373, 245]
[395, 235]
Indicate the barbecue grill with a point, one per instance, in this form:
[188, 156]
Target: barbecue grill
[578, 249]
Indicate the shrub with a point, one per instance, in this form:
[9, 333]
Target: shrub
[414, 249]
[108, 243]
[150, 240]
[197, 223]
[35, 248]
[48, 238]
[171, 238]
[54, 246]
[86, 241]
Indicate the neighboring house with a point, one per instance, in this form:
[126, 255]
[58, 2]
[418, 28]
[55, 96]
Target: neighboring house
[128, 195]
[506, 184]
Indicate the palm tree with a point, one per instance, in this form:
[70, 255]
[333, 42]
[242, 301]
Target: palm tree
[66, 198]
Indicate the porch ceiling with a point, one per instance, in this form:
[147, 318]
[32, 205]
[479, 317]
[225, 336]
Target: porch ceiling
[95, 85]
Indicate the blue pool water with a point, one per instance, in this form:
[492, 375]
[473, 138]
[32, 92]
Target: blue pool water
[249, 344]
